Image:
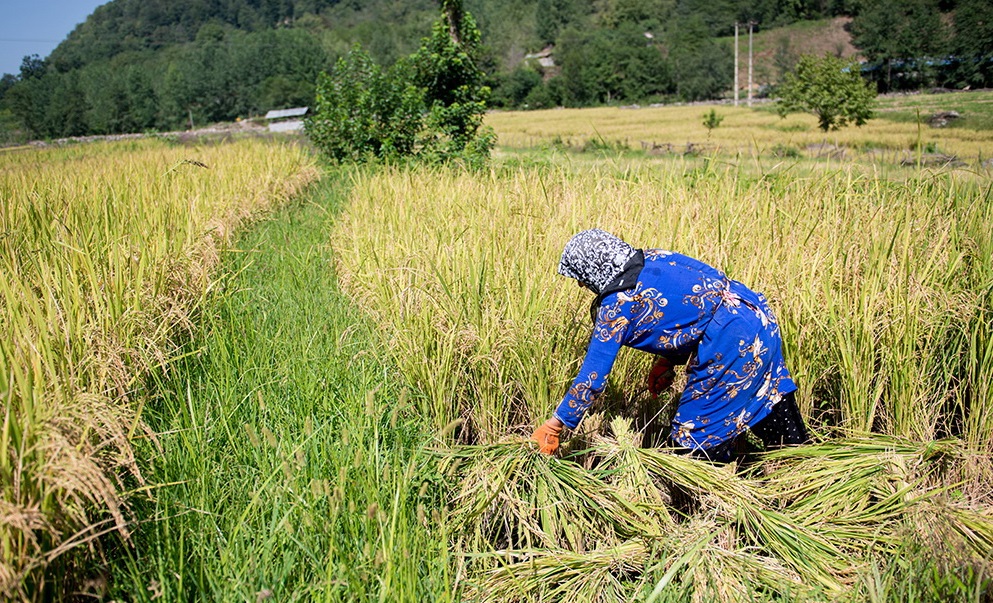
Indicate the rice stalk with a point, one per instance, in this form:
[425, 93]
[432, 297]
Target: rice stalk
[513, 497]
[105, 258]
[601, 575]
[877, 284]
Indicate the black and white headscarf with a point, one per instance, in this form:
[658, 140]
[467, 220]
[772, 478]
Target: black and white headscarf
[595, 258]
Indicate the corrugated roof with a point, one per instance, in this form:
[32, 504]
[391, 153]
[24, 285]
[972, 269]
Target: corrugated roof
[280, 113]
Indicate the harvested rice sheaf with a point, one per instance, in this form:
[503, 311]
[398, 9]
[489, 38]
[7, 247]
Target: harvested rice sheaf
[619, 522]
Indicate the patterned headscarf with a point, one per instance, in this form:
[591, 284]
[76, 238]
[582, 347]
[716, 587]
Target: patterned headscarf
[595, 258]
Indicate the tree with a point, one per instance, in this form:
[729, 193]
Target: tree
[830, 88]
[430, 105]
[363, 112]
[552, 16]
[702, 68]
[32, 66]
[899, 36]
[972, 43]
[446, 68]
[609, 65]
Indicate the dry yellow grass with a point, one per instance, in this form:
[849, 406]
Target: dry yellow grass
[745, 132]
[876, 283]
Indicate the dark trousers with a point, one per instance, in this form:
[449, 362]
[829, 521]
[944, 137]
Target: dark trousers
[783, 426]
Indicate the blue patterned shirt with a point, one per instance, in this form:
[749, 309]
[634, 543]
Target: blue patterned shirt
[682, 307]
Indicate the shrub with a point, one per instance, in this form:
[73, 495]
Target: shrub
[429, 106]
[362, 111]
[711, 120]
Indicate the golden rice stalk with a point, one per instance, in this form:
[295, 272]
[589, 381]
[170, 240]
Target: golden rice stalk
[603, 575]
[511, 496]
[743, 503]
[627, 472]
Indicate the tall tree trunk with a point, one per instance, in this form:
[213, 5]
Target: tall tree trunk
[453, 14]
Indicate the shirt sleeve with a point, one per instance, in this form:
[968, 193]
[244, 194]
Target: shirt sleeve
[608, 335]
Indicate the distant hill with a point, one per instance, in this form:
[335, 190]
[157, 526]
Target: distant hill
[776, 50]
[138, 65]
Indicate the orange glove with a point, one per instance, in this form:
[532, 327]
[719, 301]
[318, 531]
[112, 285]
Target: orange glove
[547, 436]
[661, 376]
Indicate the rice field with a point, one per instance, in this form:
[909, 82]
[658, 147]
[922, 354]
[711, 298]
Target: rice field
[334, 403]
[107, 253]
[899, 134]
[882, 290]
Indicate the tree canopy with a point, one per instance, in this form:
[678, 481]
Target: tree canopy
[830, 88]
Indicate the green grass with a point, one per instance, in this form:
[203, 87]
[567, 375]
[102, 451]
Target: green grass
[975, 108]
[284, 461]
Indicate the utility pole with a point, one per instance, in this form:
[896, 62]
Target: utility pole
[735, 63]
[750, 25]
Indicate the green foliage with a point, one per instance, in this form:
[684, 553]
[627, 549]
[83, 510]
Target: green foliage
[891, 33]
[207, 62]
[610, 65]
[446, 69]
[830, 88]
[363, 111]
[224, 74]
[712, 120]
[515, 88]
[430, 106]
[973, 43]
[702, 68]
[552, 16]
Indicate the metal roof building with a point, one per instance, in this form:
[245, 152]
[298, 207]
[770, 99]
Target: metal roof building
[282, 120]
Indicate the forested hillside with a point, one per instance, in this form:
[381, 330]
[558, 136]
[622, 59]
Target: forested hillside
[137, 65]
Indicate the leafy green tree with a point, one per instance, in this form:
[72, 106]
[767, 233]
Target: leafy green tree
[518, 84]
[972, 43]
[29, 101]
[646, 14]
[67, 108]
[446, 68]
[830, 88]
[717, 17]
[6, 83]
[899, 36]
[363, 112]
[609, 65]
[552, 16]
[702, 68]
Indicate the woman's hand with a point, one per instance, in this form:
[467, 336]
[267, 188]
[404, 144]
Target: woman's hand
[547, 436]
[661, 376]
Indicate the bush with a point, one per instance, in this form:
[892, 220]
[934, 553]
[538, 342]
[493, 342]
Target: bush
[362, 111]
[429, 106]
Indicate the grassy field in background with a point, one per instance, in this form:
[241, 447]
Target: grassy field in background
[106, 255]
[899, 134]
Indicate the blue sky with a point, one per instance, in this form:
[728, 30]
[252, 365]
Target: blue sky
[37, 27]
